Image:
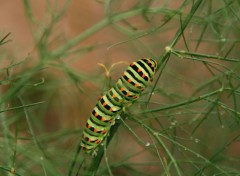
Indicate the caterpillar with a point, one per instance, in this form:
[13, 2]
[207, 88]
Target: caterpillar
[123, 93]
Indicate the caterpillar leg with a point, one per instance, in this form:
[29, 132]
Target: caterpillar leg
[94, 153]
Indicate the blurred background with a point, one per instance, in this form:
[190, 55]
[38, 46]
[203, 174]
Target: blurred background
[61, 56]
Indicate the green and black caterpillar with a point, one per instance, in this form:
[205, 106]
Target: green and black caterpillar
[127, 90]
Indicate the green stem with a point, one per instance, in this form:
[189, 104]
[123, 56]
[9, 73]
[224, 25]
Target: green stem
[185, 23]
[183, 103]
